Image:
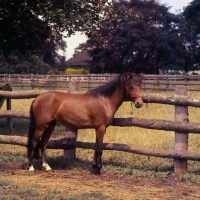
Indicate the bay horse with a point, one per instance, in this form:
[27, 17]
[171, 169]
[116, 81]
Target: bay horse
[93, 109]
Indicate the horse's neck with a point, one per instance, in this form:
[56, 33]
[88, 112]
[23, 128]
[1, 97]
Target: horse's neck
[116, 100]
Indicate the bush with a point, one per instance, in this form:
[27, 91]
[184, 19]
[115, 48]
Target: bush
[76, 71]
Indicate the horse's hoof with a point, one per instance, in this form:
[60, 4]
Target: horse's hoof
[46, 167]
[94, 166]
[101, 171]
[31, 169]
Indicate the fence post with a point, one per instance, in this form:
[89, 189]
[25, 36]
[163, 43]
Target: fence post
[186, 79]
[143, 81]
[89, 80]
[71, 134]
[9, 119]
[167, 83]
[32, 81]
[181, 139]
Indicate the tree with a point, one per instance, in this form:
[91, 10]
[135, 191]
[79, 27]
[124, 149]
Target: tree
[140, 36]
[28, 23]
[23, 31]
[192, 16]
[191, 33]
[14, 65]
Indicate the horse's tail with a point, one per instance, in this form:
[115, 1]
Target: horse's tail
[31, 135]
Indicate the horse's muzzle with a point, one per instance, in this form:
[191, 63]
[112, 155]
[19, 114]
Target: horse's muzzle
[138, 104]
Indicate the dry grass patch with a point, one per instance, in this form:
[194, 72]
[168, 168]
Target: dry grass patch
[126, 173]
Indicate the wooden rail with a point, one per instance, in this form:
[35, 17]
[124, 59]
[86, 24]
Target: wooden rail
[89, 81]
[180, 127]
[62, 144]
[166, 125]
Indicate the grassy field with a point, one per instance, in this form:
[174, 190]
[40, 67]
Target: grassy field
[119, 163]
[127, 135]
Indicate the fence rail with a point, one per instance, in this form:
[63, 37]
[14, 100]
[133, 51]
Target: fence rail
[181, 127]
[89, 81]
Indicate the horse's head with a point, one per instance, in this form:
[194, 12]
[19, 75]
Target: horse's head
[133, 89]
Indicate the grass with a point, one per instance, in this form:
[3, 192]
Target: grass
[32, 192]
[115, 162]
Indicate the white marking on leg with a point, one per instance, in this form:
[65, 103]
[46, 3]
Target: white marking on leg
[46, 167]
[31, 169]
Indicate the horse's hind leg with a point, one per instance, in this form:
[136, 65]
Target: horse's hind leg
[36, 139]
[43, 144]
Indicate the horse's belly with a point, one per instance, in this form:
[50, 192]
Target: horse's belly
[85, 115]
[76, 121]
[78, 124]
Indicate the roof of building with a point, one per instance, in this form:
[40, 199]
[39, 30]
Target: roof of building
[80, 58]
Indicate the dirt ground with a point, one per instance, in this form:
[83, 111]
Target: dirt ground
[113, 186]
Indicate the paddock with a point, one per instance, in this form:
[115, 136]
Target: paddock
[181, 127]
[132, 171]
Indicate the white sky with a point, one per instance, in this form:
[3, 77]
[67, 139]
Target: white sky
[176, 4]
[73, 42]
[78, 38]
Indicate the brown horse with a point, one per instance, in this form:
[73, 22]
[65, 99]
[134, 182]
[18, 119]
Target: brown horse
[93, 109]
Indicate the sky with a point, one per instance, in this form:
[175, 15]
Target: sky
[176, 4]
[79, 38]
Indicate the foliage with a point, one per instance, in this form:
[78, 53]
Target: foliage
[76, 71]
[35, 27]
[191, 32]
[28, 23]
[192, 15]
[61, 64]
[14, 65]
[138, 36]
[23, 30]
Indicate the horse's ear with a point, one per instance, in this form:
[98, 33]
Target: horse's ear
[129, 75]
[140, 75]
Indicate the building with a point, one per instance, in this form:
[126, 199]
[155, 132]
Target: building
[81, 60]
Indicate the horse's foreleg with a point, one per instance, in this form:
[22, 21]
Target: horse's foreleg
[99, 149]
[94, 164]
[43, 143]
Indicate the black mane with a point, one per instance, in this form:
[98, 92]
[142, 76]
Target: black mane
[109, 88]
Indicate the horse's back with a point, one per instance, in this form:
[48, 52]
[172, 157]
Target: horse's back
[72, 110]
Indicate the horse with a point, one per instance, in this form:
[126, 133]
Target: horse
[92, 109]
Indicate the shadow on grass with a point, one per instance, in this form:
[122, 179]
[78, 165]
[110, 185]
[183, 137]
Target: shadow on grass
[21, 127]
[59, 163]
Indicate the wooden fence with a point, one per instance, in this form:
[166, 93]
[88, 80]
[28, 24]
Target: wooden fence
[89, 81]
[181, 127]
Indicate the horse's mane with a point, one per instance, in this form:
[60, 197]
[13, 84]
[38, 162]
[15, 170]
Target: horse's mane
[109, 88]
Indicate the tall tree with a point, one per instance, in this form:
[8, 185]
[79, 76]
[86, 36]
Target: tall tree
[26, 24]
[137, 35]
[191, 33]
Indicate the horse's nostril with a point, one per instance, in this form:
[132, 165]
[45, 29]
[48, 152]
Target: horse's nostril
[138, 105]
